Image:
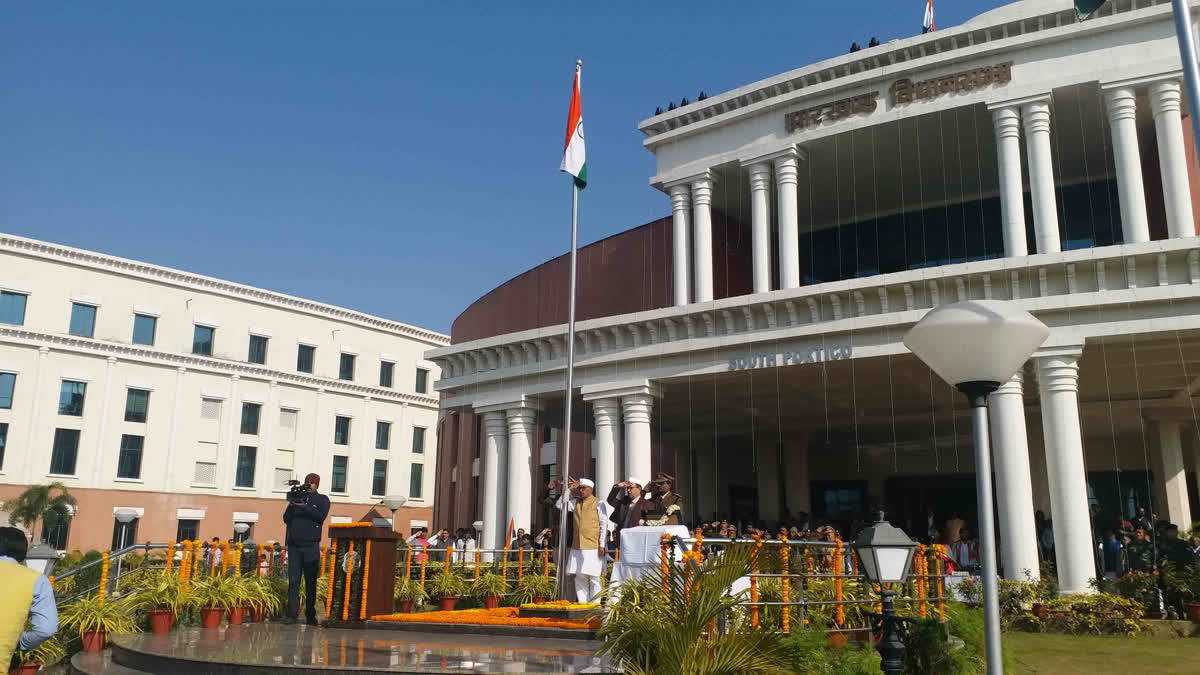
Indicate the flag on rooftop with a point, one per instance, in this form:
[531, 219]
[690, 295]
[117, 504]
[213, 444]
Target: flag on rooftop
[927, 26]
[574, 159]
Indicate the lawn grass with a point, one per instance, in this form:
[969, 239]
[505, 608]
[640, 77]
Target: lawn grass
[1142, 655]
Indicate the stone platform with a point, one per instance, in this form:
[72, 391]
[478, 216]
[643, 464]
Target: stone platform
[274, 648]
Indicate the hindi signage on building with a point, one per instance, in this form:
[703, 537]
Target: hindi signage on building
[863, 104]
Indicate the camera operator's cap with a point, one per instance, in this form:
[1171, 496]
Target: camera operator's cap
[312, 478]
[586, 482]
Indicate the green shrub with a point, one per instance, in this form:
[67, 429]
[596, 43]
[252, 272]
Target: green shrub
[1088, 614]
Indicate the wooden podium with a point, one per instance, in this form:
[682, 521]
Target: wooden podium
[362, 572]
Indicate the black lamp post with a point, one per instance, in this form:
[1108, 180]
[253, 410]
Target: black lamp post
[886, 556]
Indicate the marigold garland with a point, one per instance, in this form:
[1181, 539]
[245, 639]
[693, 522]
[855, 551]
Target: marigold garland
[362, 608]
[346, 583]
[941, 551]
[922, 562]
[359, 523]
[560, 604]
[663, 543]
[449, 556]
[839, 568]
[783, 559]
[185, 567]
[521, 565]
[476, 563]
[170, 555]
[546, 562]
[501, 616]
[754, 582]
[271, 557]
[424, 558]
[408, 565]
[195, 558]
[103, 590]
[332, 576]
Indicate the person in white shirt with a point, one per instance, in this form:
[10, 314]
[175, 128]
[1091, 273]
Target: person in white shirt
[465, 544]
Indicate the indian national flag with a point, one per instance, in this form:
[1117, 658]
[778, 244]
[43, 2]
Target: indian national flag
[574, 159]
[927, 26]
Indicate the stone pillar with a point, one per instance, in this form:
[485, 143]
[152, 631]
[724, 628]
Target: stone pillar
[227, 451]
[176, 415]
[1041, 175]
[797, 489]
[1122, 117]
[1171, 476]
[1007, 121]
[1058, 379]
[106, 393]
[635, 408]
[495, 479]
[1172, 158]
[786, 171]
[1014, 486]
[520, 467]
[607, 412]
[760, 225]
[767, 474]
[702, 242]
[681, 214]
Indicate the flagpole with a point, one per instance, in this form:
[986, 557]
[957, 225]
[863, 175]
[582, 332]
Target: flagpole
[1187, 55]
[564, 457]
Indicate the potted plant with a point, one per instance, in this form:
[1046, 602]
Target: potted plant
[490, 587]
[94, 617]
[212, 596]
[447, 588]
[160, 596]
[48, 653]
[1184, 583]
[408, 592]
[969, 591]
[262, 598]
[240, 594]
[535, 588]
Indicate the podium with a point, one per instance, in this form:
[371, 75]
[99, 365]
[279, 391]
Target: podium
[361, 574]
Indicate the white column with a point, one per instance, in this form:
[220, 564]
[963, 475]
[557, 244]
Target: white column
[795, 460]
[365, 449]
[760, 225]
[702, 243]
[1014, 486]
[1171, 474]
[169, 468]
[265, 462]
[520, 467]
[607, 413]
[495, 479]
[636, 410]
[227, 450]
[1007, 121]
[1172, 159]
[619, 443]
[1058, 379]
[681, 214]
[1122, 117]
[107, 394]
[786, 171]
[766, 471]
[1041, 176]
[31, 440]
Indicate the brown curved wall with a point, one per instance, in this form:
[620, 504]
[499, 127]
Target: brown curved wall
[627, 272]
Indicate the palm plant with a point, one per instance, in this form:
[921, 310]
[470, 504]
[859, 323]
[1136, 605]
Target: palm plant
[676, 633]
[533, 586]
[160, 591]
[48, 653]
[37, 502]
[95, 613]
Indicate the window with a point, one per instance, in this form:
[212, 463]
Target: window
[202, 340]
[70, 398]
[341, 430]
[129, 463]
[346, 367]
[66, 448]
[137, 405]
[304, 358]
[83, 319]
[338, 484]
[418, 440]
[258, 349]
[422, 381]
[124, 534]
[379, 478]
[414, 481]
[210, 408]
[8, 382]
[12, 308]
[383, 435]
[144, 327]
[385, 373]
[187, 530]
[3, 442]
[245, 467]
[250, 414]
[55, 527]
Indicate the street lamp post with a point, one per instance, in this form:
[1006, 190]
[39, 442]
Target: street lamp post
[124, 517]
[975, 345]
[42, 558]
[886, 556]
[393, 504]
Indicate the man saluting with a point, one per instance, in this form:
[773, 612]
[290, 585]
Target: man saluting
[668, 506]
[588, 533]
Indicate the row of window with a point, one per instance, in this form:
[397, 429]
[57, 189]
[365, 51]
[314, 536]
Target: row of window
[56, 529]
[383, 434]
[145, 326]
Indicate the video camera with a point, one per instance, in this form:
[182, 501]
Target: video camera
[298, 493]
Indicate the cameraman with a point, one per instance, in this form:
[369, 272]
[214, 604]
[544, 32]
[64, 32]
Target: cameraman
[304, 520]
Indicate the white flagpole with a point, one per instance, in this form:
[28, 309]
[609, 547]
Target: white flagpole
[1187, 55]
[564, 457]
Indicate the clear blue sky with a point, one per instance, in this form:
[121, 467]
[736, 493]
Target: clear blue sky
[399, 158]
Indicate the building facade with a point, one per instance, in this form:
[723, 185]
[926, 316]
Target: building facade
[750, 343]
[193, 400]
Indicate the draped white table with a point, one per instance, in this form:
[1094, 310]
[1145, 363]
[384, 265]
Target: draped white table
[641, 552]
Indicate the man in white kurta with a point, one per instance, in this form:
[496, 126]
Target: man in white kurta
[589, 538]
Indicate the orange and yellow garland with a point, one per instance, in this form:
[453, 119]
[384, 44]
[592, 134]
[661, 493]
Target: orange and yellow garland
[787, 597]
[360, 523]
[329, 590]
[754, 582]
[362, 609]
[170, 555]
[501, 616]
[103, 590]
[839, 568]
[346, 583]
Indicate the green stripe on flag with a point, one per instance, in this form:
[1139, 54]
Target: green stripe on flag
[581, 179]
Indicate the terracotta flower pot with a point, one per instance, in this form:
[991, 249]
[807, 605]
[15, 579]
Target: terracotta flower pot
[447, 604]
[25, 668]
[838, 640]
[210, 617]
[1193, 611]
[237, 615]
[93, 640]
[258, 615]
[491, 601]
[161, 620]
[539, 599]
[406, 606]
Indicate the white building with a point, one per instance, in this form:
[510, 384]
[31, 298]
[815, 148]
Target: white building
[194, 400]
[751, 343]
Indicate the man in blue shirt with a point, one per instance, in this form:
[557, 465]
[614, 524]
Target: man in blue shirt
[304, 522]
[40, 610]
